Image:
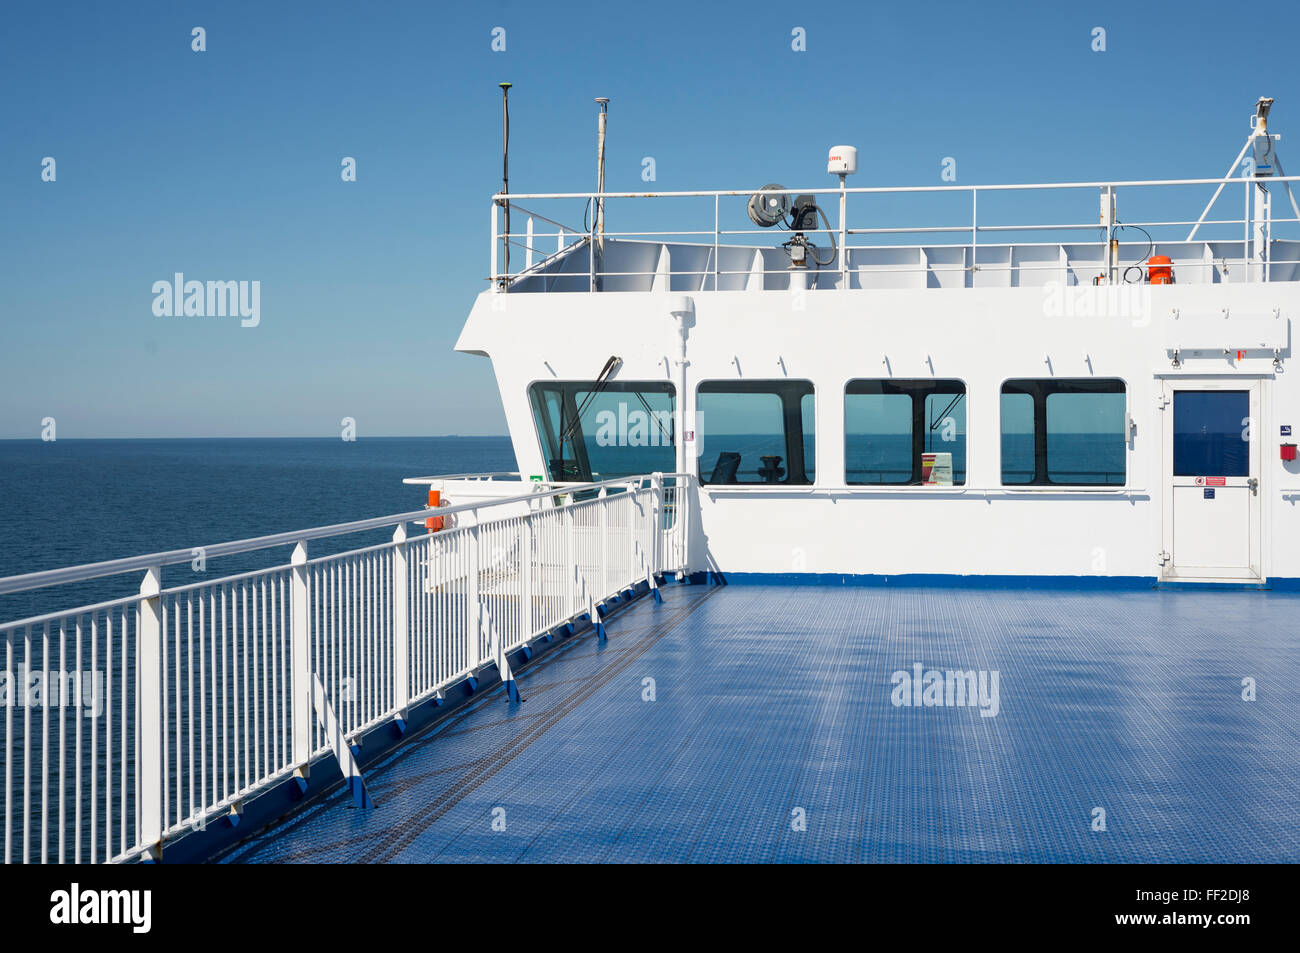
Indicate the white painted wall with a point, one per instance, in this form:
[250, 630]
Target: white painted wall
[980, 335]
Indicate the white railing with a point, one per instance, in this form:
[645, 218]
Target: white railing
[132, 721]
[1252, 231]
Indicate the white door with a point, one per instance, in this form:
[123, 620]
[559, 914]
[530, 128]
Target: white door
[1211, 467]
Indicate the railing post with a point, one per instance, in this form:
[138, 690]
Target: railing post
[715, 245]
[401, 627]
[604, 544]
[632, 544]
[473, 616]
[149, 731]
[650, 528]
[300, 660]
[493, 282]
[844, 254]
[526, 576]
[574, 594]
[656, 524]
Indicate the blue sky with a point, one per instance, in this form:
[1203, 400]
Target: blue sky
[225, 165]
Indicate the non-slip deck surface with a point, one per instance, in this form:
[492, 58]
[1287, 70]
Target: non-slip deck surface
[768, 700]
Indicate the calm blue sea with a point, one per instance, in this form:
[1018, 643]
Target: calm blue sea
[79, 501]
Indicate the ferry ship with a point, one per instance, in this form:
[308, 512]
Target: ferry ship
[836, 537]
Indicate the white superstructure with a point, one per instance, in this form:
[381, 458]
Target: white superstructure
[1101, 422]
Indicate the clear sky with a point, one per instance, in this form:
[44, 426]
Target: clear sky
[225, 165]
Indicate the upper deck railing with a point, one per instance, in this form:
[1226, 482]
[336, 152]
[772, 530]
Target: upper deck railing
[132, 721]
[966, 229]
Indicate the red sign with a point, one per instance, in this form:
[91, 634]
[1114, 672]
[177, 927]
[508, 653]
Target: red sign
[1216, 481]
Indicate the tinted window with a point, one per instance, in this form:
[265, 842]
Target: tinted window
[895, 429]
[1211, 436]
[1064, 432]
[603, 431]
[756, 432]
[1085, 438]
[1017, 438]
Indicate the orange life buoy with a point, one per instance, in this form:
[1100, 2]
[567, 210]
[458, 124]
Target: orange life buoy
[434, 523]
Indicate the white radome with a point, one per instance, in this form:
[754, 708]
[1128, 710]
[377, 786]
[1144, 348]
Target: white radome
[843, 160]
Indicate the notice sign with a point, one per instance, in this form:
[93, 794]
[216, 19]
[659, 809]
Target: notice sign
[1211, 481]
[936, 469]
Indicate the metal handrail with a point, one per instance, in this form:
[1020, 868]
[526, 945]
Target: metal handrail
[113, 567]
[1262, 238]
[206, 694]
[898, 189]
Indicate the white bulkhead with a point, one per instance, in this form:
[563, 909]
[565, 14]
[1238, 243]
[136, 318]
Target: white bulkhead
[1100, 396]
[983, 338]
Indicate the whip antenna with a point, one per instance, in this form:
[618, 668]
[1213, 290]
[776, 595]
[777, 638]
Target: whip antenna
[505, 164]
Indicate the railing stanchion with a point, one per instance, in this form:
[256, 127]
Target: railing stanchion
[473, 614]
[493, 281]
[572, 556]
[844, 252]
[656, 555]
[150, 728]
[401, 626]
[632, 544]
[300, 660]
[526, 577]
[715, 242]
[604, 546]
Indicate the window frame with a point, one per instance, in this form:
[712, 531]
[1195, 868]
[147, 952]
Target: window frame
[540, 437]
[918, 437]
[1059, 385]
[766, 385]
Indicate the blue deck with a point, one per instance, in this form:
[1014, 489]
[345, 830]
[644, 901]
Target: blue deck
[774, 698]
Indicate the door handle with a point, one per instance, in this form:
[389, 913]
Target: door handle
[1253, 483]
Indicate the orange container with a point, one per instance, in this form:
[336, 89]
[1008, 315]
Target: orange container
[434, 523]
[1159, 271]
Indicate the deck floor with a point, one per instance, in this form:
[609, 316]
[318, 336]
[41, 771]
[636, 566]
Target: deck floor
[770, 699]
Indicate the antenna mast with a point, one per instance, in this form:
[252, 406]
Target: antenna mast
[505, 167]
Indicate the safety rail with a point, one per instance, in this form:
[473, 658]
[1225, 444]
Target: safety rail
[580, 253]
[129, 722]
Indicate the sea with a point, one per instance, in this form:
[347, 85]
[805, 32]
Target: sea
[68, 502]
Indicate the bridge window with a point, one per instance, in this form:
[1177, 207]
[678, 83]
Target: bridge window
[755, 432]
[602, 431]
[905, 432]
[1063, 432]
